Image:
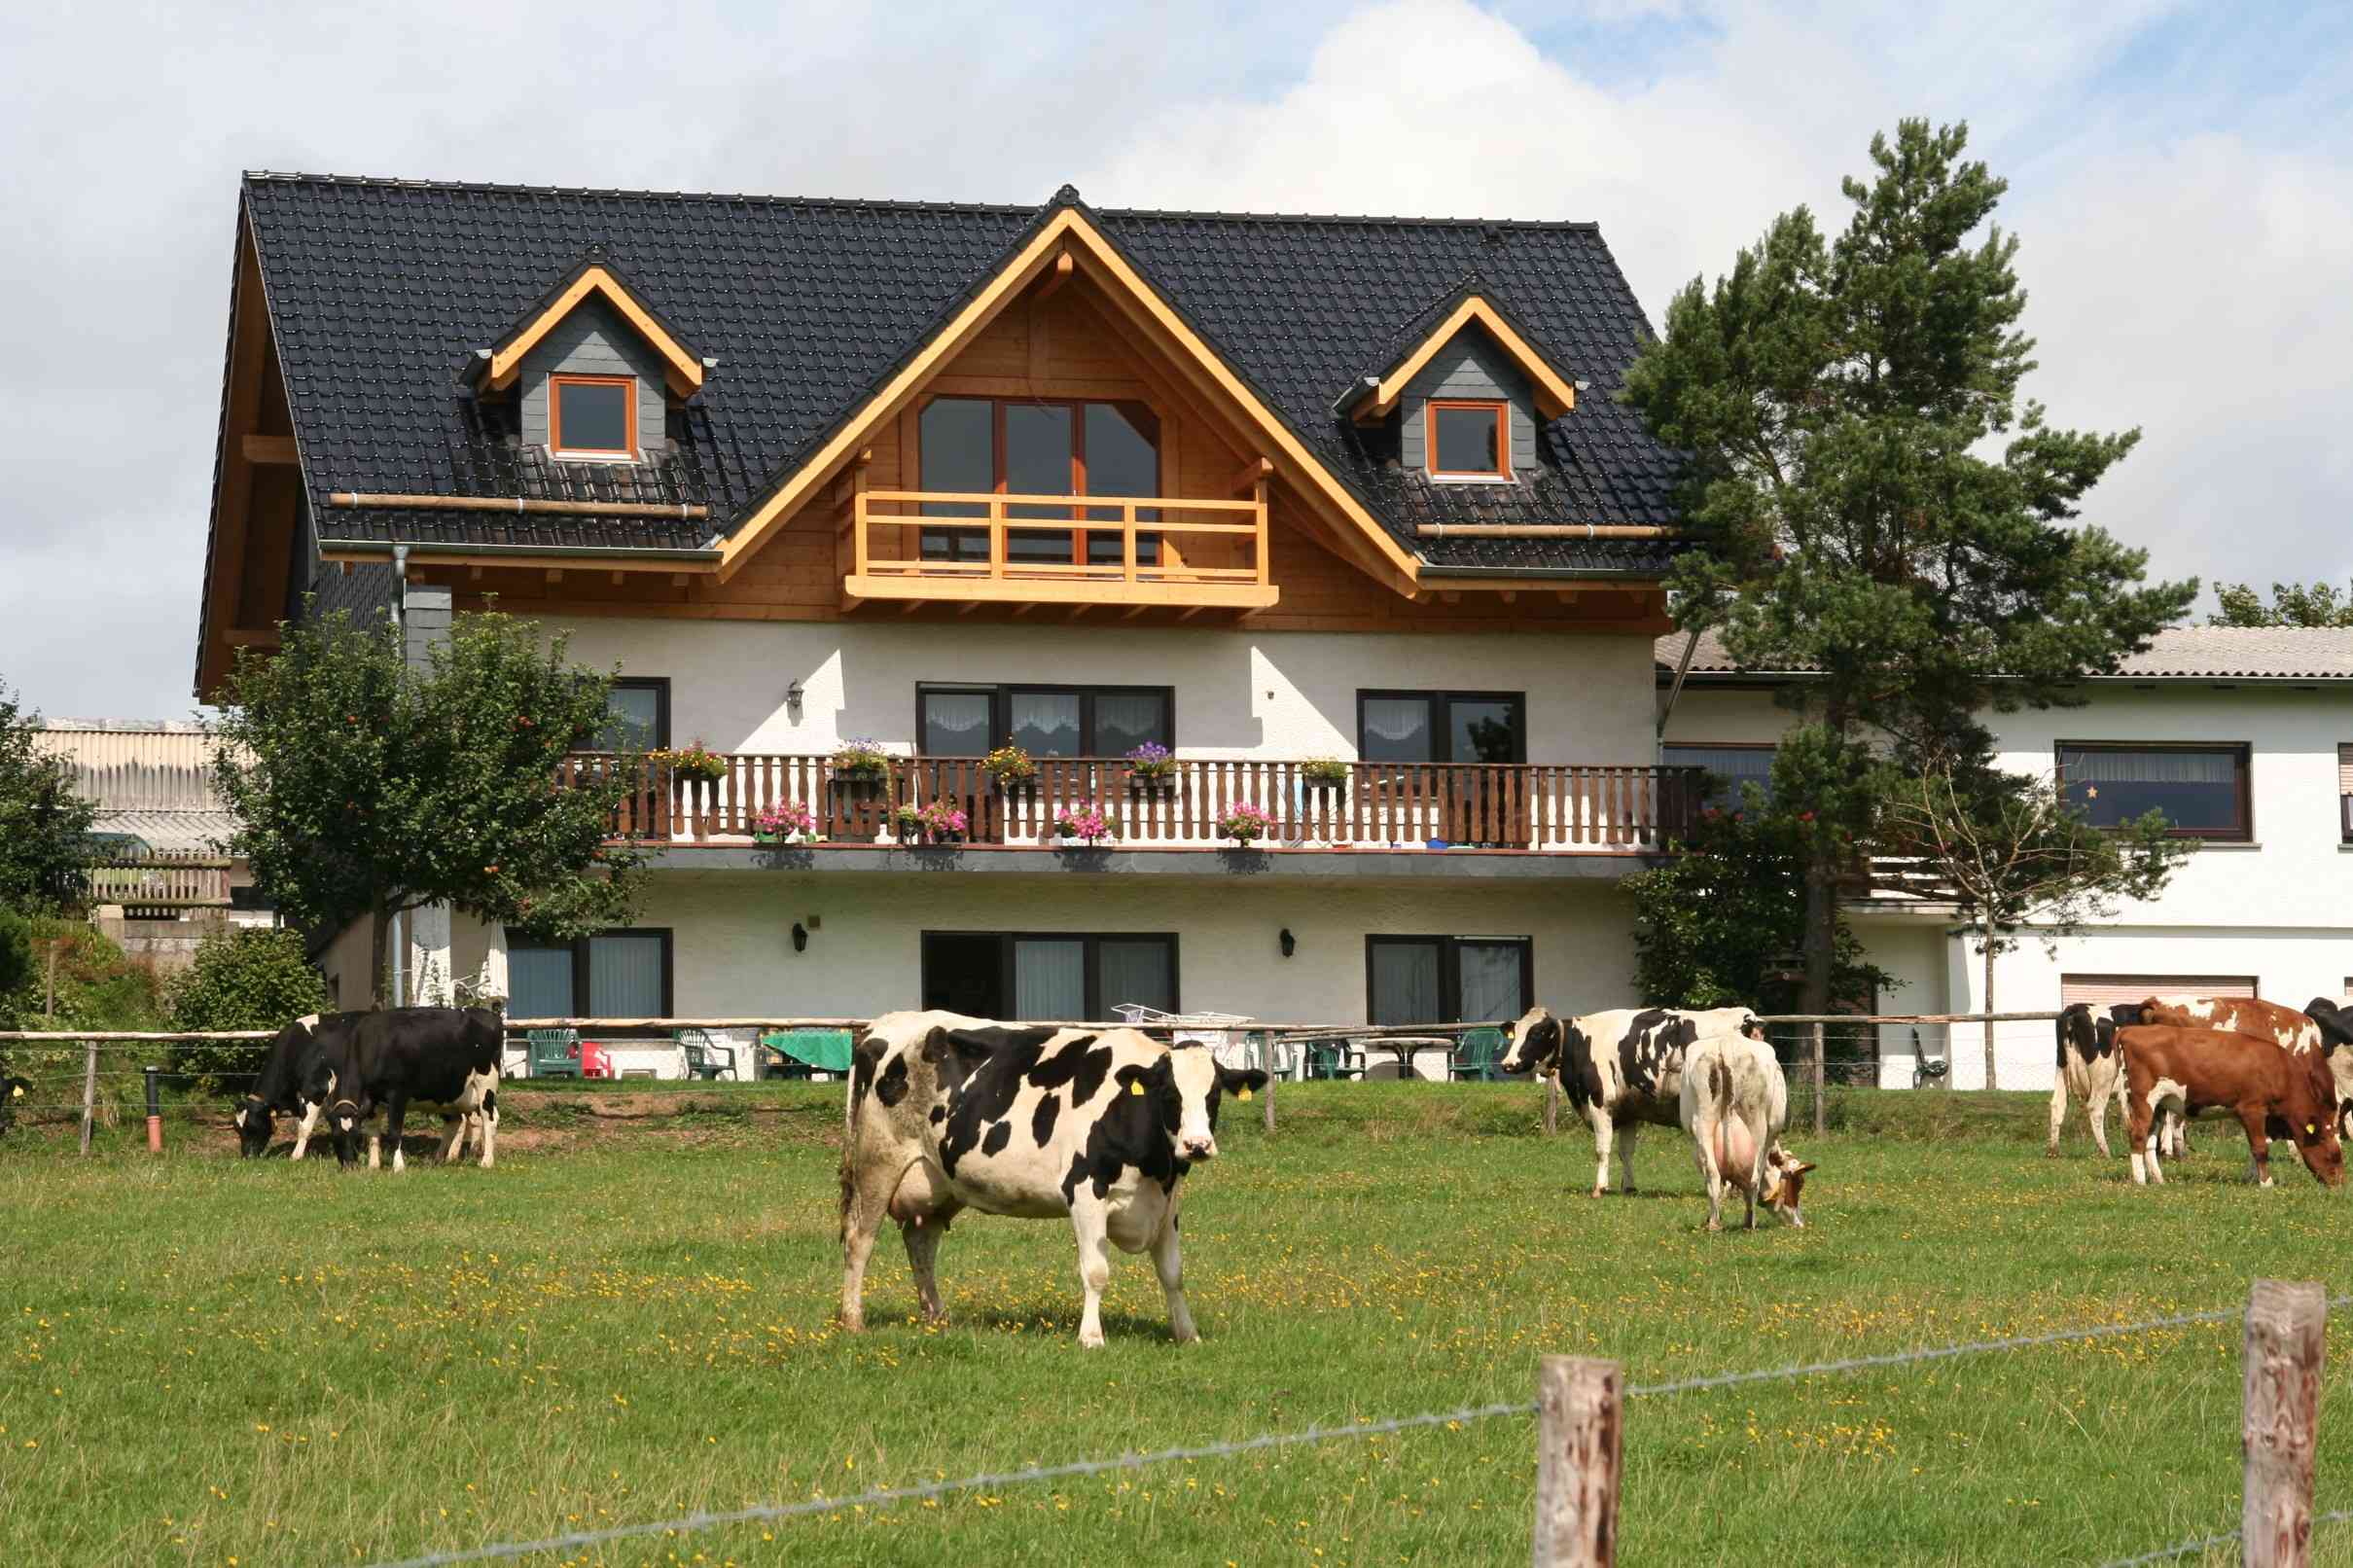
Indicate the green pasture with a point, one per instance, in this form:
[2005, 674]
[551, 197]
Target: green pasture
[208, 1360]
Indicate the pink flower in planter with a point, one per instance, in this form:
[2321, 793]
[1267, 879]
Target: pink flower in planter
[1084, 820]
[785, 820]
[1246, 824]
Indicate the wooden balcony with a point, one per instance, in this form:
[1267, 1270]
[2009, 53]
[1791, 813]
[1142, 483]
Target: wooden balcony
[1142, 552]
[1517, 809]
[165, 884]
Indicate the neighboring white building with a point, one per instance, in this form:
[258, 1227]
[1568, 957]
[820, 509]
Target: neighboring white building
[2244, 737]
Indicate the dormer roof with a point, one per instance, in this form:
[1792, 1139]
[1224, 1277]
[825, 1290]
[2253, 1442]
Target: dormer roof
[495, 367]
[1467, 308]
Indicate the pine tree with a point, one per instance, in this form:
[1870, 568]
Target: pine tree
[1838, 402]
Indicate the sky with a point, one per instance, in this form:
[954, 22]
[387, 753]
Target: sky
[2181, 178]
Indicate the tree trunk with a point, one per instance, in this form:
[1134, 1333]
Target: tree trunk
[1820, 936]
[1988, 1008]
[379, 940]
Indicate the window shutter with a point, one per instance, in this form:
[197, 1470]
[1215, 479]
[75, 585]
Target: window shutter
[2344, 770]
[2103, 991]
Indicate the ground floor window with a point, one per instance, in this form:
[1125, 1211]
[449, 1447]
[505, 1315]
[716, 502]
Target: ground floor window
[1448, 980]
[1048, 975]
[611, 974]
[1045, 721]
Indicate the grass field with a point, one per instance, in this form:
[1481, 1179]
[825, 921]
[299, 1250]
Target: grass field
[212, 1362]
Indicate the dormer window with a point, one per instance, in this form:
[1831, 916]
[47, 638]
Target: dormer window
[592, 417]
[1469, 440]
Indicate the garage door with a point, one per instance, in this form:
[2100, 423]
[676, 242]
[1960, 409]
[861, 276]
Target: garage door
[2107, 990]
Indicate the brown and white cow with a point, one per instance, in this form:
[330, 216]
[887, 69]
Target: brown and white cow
[948, 1113]
[2174, 1070]
[1734, 1103]
[1621, 1068]
[2294, 1032]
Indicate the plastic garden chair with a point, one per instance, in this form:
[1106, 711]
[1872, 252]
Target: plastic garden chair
[1479, 1055]
[1275, 1058]
[554, 1052]
[703, 1053]
[1335, 1057]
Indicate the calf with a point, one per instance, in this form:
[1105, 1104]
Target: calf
[2181, 1071]
[449, 1056]
[947, 1113]
[300, 1047]
[2089, 1069]
[1621, 1068]
[1734, 1103]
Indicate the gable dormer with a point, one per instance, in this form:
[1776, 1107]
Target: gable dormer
[1468, 396]
[592, 370]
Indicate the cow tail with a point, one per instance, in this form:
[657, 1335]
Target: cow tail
[2062, 1033]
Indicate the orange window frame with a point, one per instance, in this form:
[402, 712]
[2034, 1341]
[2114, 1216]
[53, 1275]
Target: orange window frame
[1501, 412]
[556, 420]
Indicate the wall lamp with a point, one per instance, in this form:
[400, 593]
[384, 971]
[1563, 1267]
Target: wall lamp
[800, 938]
[1290, 942]
[792, 700]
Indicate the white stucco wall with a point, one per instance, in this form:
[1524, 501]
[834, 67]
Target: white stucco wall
[1238, 694]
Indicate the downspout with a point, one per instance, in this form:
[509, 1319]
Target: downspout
[397, 943]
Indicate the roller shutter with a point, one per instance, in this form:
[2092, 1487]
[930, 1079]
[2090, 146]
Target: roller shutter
[2107, 990]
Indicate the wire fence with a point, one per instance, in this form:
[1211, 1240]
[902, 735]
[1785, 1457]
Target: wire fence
[884, 1497]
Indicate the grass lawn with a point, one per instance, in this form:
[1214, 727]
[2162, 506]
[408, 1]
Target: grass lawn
[208, 1360]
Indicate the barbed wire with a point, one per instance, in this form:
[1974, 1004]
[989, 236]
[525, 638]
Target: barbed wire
[889, 1496]
[2207, 1542]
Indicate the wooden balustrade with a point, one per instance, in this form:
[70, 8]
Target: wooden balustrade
[163, 881]
[1380, 806]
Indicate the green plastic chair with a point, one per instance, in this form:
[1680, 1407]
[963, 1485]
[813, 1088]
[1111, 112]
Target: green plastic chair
[1479, 1055]
[703, 1053]
[1335, 1057]
[554, 1052]
[800, 1053]
[1275, 1058]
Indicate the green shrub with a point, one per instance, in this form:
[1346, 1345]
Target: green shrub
[98, 986]
[243, 978]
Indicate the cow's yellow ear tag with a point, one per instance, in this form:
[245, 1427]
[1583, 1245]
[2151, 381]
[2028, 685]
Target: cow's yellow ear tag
[1135, 1087]
[2310, 1129]
[1243, 1095]
[16, 1091]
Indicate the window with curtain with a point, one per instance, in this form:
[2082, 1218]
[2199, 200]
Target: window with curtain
[1729, 767]
[611, 974]
[1441, 727]
[2202, 789]
[1448, 980]
[1046, 721]
[1047, 976]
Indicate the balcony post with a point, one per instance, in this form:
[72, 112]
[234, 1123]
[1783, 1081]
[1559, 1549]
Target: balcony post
[996, 538]
[860, 514]
[1258, 494]
[1127, 534]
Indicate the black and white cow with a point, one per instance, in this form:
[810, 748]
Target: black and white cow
[948, 1113]
[12, 1090]
[2089, 1068]
[301, 1046]
[441, 1056]
[1621, 1068]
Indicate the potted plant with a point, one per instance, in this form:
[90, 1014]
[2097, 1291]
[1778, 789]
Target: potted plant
[1324, 774]
[937, 823]
[695, 761]
[861, 768]
[1085, 821]
[785, 822]
[1245, 825]
[1151, 767]
[1012, 767]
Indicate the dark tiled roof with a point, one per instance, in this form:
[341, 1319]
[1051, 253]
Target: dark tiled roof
[379, 291]
[2177, 654]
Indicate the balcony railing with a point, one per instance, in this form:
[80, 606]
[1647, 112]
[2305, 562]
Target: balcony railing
[162, 882]
[1147, 551]
[1525, 809]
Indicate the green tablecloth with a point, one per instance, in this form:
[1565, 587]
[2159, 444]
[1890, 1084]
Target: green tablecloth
[826, 1050]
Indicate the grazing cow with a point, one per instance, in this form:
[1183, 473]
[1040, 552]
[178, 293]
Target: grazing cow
[947, 1113]
[446, 1056]
[1621, 1068]
[301, 1046]
[2172, 1069]
[1734, 1103]
[2089, 1069]
[2293, 1032]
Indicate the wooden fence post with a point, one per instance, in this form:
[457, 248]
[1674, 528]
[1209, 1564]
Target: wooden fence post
[2287, 1325]
[1552, 1104]
[1274, 1076]
[1818, 1073]
[1579, 1449]
[90, 1090]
